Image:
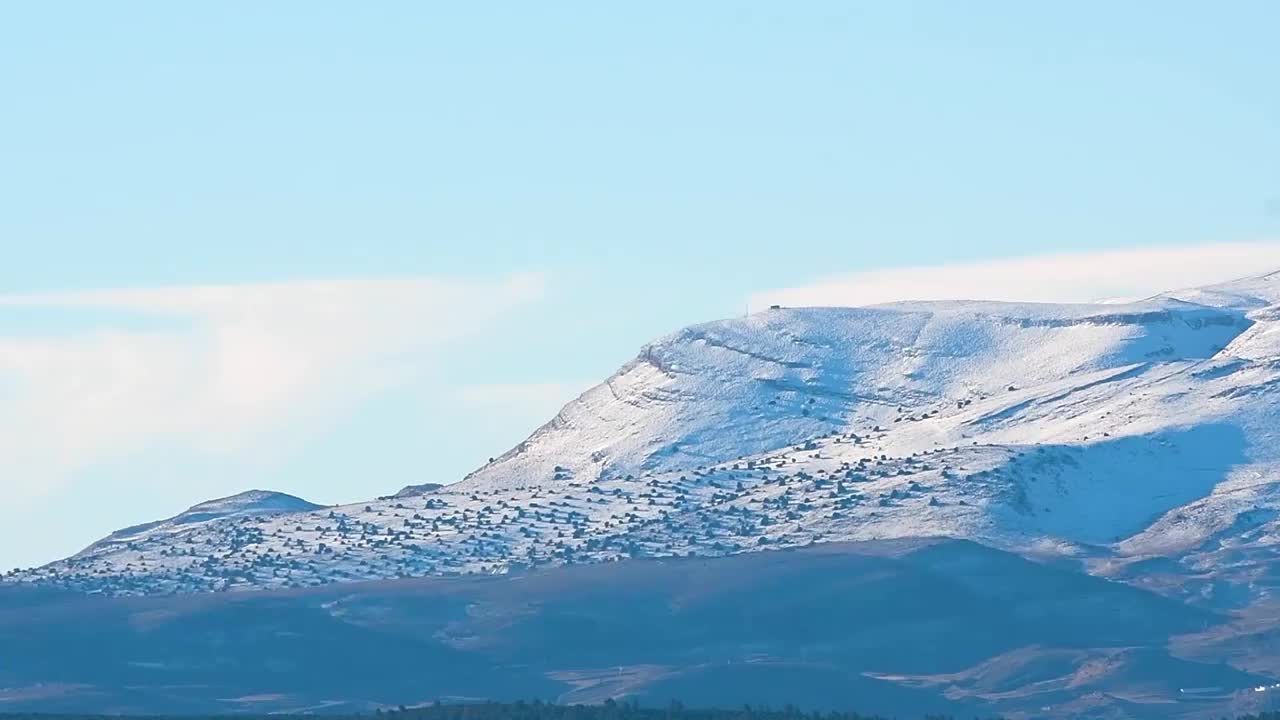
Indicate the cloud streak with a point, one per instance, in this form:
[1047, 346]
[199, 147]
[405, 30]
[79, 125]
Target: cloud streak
[1075, 277]
[218, 367]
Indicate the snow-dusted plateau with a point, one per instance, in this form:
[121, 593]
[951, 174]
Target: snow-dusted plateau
[1030, 509]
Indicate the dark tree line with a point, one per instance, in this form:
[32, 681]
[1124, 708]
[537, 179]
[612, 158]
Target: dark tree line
[521, 710]
[610, 710]
[537, 710]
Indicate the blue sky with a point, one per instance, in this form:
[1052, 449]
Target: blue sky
[335, 248]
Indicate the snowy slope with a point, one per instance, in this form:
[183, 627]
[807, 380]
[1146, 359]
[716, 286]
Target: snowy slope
[1118, 434]
[728, 389]
[1245, 294]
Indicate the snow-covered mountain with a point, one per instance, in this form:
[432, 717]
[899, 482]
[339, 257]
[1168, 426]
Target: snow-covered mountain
[1113, 434]
[248, 504]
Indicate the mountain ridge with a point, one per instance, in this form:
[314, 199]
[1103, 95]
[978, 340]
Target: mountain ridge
[1026, 426]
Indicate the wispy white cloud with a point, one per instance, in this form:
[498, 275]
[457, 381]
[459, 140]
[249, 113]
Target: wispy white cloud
[232, 363]
[1076, 277]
